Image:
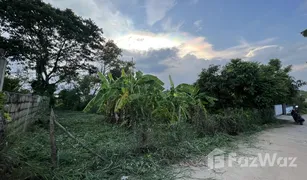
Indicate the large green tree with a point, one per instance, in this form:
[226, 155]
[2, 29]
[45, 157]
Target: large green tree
[249, 84]
[55, 43]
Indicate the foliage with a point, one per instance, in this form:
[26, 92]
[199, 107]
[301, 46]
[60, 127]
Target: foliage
[301, 101]
[55, 43]
[79, 96]
[249, 84]
[304, 33]
[139, 101]
[138, 97]
[30, 154]
[303, 94]
[12, 84]
[234, 121]
[69, 99]
[108, 60]
[2, 101]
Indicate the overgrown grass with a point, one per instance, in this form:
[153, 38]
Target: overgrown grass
[29, 155]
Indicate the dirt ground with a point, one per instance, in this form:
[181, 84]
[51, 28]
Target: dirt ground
[288, 143]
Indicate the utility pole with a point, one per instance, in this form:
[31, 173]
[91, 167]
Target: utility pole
[3, 64]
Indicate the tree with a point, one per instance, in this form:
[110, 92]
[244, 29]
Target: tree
[77, 97]
[55, 43]
[127, 66]
[69, 99]
[108, 59]
[304, 33]
[249, 84]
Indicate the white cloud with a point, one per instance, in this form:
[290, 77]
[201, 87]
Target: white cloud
[169, 26]
[198, 25]
[189, 44]
[104, 13]
[121, 28]
[144, 41]
[299, 67]
[157, 9]
[252, 52]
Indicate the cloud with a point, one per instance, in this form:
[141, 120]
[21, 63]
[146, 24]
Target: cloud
[121, 28]
[252, 52]
[188, 44]
[165, 62]
[157, 9]
[169, 26]
[299, 67]
[152, 61]
[104, 13]
[174, 52]
[198, 25]
[144, 41]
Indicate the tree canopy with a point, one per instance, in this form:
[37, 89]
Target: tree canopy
[249, 84]
[54, 43]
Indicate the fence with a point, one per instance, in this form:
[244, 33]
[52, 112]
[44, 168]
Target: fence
[23, 109]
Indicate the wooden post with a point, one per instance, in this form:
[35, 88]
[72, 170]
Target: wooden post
[52, 140]
[2, 70]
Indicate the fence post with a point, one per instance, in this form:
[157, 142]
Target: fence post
[2, 68]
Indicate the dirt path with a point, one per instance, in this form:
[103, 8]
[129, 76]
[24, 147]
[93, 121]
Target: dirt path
[285, 142]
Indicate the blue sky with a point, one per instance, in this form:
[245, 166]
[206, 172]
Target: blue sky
[180, 37]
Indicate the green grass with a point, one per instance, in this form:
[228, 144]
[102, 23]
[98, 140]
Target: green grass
[29, 155]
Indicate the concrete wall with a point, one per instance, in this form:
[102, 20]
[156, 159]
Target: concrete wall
[278, 109]
[23, 110]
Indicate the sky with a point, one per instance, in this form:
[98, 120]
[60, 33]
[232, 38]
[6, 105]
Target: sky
[181, 37]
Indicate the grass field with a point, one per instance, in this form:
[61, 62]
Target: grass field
[29, 155]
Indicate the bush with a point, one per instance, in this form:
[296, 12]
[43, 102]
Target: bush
[233, 121]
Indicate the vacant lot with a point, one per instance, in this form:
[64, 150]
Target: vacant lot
[119, 147]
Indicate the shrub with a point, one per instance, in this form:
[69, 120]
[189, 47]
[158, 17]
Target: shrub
[233, 121]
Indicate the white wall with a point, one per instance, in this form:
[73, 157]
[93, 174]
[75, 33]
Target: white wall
[278, 109]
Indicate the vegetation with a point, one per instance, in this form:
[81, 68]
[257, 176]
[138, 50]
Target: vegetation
[301, 101]
[30, 154]
[138, 127]
[249, 84]
[2, 101]
[79, 95]
[56, 43]
[12, 84]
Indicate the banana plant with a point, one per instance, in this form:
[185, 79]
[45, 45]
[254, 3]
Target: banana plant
[139, 97]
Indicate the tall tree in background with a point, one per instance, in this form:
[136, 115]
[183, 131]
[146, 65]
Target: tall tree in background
[108, 59]
[55, 43]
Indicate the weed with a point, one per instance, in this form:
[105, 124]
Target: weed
[29, 155]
